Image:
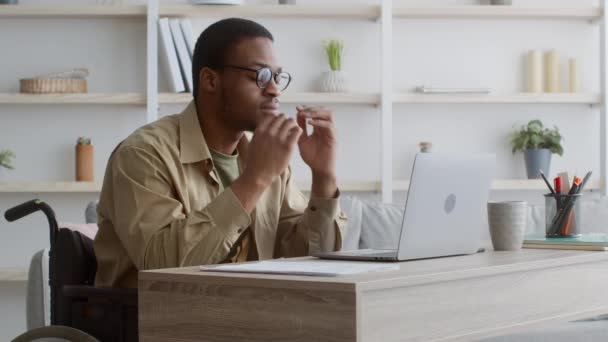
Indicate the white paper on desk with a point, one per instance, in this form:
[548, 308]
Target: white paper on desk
[314, 267]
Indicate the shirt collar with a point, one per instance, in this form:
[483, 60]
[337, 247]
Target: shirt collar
[192, 144]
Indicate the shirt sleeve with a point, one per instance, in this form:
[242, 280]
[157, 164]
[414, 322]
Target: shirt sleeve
[152, 224]
[308, 226]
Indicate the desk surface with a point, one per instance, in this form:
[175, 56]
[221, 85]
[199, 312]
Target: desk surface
[410, 273]
[445, 299]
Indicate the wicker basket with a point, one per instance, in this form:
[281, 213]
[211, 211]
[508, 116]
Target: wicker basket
[53, 85]
[71, 81]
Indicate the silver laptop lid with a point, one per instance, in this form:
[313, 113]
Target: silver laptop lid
[445, 206]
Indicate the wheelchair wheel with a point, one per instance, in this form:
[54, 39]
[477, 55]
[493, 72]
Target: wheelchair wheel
[55, 332]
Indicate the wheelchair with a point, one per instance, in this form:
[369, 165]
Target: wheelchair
[79, 311]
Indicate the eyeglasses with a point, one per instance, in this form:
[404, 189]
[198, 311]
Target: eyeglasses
[264, 75]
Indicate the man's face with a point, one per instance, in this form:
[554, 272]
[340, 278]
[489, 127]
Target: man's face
[243, 104]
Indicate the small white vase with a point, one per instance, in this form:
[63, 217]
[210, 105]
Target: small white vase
[334, 82]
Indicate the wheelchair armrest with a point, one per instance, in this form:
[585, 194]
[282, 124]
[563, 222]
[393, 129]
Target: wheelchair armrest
[126, 296]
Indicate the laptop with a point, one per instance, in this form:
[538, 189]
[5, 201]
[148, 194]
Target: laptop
[444, 212]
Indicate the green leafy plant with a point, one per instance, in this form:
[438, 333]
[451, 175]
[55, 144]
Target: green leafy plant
[334, 49]
[535, 136]
[6, 159]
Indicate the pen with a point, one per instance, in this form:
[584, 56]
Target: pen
[542, 174]
[585, 179]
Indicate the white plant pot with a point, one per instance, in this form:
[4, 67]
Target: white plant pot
[334, 82]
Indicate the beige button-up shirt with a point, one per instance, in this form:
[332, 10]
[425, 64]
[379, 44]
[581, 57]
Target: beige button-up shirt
[161, 206]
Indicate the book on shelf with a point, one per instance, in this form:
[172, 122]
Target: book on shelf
[187, 31]
[183, 56]
[168, 57]
[589, 242]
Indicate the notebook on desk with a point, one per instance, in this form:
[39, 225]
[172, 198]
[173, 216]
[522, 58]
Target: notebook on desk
[302, 267]
[588, 242]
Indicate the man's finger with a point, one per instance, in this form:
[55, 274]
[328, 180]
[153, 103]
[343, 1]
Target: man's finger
[318, 113]
[321, 124]
[286, 127]
[265, 123]
[294, 135]
[276, 123]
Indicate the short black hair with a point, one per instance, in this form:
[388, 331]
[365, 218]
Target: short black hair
[215, 42]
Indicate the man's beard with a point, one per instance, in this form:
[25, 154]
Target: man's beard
[228, 115]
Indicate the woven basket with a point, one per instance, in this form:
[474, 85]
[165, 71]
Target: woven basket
[53, 85]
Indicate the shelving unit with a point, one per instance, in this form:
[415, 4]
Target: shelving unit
[294, 98]
[49, 187]
[13, 274]
[322, 98]
[346, 186]
[72, 11]
[522, 98]
[498, 12]
[88, 98]
[384, 14]
[328, 11]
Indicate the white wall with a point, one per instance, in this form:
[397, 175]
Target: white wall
[432, 52]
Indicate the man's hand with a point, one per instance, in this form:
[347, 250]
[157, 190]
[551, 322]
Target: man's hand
[318, 150]
[268, 156]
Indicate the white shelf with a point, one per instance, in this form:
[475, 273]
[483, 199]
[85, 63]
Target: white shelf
[13, 274]
[350, 186]
[50, 187]
[86, 98]
[521, 98]
[294, 98]
[506, 185]
[95, 187]
[498, 12]
[71, 11]
[369, 12]
[366, 12]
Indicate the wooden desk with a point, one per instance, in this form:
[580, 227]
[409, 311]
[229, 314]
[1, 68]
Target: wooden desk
[458, 298]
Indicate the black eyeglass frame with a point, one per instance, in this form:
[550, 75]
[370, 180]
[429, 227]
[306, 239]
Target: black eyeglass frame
[275, 75]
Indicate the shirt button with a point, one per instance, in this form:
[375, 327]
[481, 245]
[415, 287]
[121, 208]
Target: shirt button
[313, 208]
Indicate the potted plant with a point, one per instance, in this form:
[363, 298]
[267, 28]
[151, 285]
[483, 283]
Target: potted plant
[6, 159]
[335, 79]
[538, 144]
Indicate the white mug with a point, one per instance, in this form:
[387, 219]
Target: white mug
[507, 223]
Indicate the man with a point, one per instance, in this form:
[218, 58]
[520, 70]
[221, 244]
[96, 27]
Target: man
[191, 189]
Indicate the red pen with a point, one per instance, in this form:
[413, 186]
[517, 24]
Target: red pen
[557, 182]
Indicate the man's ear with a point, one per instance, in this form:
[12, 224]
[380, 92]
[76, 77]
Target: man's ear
[208, 80]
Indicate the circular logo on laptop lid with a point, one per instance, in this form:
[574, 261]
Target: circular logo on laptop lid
[450, 203]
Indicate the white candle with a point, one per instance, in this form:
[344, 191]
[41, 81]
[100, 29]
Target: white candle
[534, 73]
[552, 72]
[574, 74]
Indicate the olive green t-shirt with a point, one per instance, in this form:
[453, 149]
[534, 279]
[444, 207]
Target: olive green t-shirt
[226, 167]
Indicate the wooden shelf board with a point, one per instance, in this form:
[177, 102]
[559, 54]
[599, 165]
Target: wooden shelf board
[293, 98]
[505, 185]
[13, 274]
[369, 12]
[71, 11]
[498, 12]
[521, 98]
[354, 186]
[50, 187]
[86, 98]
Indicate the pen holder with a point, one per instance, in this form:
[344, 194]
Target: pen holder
[563, 215]
[84, 163]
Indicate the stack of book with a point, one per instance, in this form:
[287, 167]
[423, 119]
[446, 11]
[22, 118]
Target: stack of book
[587, 242]
[176, 49]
